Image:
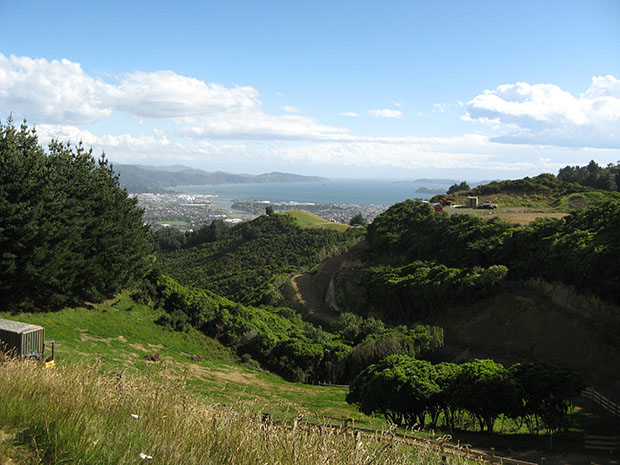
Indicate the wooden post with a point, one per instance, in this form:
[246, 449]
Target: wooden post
[492, 454]
[543, 461]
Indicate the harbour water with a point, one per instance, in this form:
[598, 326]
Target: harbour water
[342, 191]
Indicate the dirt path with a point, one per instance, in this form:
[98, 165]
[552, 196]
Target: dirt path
[310, 289]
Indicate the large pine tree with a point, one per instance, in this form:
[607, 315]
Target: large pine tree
[68, 231]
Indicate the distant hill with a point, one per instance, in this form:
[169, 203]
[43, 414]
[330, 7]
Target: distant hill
[139, 179]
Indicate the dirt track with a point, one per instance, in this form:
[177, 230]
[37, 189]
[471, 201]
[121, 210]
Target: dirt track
[310, 289]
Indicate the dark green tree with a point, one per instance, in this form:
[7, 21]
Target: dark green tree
[69, 232]
[486, 389]
[446, 376]
[400, 340]
[400, 387]
[358, 220]
[355, 328]
[547, 393]
[591, 175]
[23, 198]
[168, 239]
[456, 187]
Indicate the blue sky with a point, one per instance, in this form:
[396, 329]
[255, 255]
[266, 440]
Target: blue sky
[475, 90]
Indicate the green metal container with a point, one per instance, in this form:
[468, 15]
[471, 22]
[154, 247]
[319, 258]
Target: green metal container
[25, 339]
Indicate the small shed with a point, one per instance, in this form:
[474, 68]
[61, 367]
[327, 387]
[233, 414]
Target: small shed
[471, 202]
[27, 340]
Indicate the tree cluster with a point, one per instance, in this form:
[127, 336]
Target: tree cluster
[282, 342]
[581, 250]
[68, 231]
[458, 187]
[544, 184]
[169, 239]
[593, 175]
[422, 289]
[411, 392]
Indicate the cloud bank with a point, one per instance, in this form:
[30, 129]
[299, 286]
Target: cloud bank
[60, 92]
[535, 126]
[544, 114]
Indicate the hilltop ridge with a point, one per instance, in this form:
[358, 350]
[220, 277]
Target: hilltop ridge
[140, 179]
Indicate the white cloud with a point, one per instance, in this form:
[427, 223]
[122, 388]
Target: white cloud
[291, 109]
[386, 113]
[126, 142]
[261, 126]
[350, 114]
[603, 86]
[410, 153]
[183, 119]
[546, 114]
[51, 91]
[165, 94]
[440, 108]
[60, 92]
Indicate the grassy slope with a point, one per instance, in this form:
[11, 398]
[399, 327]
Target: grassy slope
[78, 414]
[310, 220]
[120, 332]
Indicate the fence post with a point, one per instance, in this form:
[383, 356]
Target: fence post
[543, 461]
[492, 454]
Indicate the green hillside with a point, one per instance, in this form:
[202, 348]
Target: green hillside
[118, 335]
[305, 220]
[248, 262]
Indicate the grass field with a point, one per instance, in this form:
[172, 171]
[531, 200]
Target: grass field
[310, 220]
[518, 215]
[81, 414]
[120, 333]
[81, 411]
[114, 337]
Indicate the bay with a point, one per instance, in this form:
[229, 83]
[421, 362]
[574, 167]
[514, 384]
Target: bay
[342, 191]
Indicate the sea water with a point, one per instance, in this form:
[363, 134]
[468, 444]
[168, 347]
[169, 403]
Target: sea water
[343, 191]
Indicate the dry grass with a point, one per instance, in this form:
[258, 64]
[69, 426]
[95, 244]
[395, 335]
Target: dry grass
[77, 414]
[523, 216]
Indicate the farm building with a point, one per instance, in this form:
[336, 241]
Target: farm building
[471, 202]
[25, 339]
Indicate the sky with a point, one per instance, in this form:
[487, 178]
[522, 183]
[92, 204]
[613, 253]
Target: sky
[366, 89]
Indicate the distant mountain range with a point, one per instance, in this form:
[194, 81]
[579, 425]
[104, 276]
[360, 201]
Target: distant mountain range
[139, 179]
